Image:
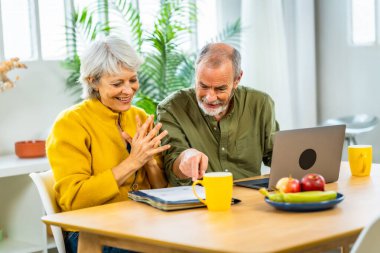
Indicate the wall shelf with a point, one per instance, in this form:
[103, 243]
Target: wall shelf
[11, 165]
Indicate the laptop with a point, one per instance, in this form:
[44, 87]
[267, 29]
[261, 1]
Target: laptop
[302, 151]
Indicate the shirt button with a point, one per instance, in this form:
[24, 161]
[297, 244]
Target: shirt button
[222, 149]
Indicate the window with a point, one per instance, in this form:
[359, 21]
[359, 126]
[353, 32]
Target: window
[35, 29]
[33, 32]
[363, 22]
[16, 28]
[207, 21]
[52, 29]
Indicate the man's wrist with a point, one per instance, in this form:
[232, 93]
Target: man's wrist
[151, 163]
[178, 173]
[176, 170]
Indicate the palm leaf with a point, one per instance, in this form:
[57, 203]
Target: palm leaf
[166, 68]
[162, 62]
[146, 103]
[126, 11]
[230, 34]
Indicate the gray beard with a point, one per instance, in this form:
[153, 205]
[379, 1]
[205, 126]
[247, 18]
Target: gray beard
[212, 112]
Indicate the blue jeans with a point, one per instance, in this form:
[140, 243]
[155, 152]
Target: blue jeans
[71, 244]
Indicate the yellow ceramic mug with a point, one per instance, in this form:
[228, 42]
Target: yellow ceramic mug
[218, 188]
[360, 159]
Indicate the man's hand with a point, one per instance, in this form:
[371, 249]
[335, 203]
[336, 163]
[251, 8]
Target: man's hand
[192, 163]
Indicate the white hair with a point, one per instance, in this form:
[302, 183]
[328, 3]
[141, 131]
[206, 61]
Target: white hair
[105, 56]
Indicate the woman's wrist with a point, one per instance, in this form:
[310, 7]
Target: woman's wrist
[132, 163]
[125, 169]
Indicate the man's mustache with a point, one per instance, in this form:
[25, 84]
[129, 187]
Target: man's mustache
[216, 102]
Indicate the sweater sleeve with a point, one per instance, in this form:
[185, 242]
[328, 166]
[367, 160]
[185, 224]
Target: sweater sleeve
[69, 154]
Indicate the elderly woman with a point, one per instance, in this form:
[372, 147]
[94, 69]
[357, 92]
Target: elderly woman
[100, 148]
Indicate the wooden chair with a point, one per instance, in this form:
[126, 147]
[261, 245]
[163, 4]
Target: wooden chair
[369, 239]
[44, 182]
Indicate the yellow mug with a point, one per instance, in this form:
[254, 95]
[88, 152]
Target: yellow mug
[218, 188]
[360, 159]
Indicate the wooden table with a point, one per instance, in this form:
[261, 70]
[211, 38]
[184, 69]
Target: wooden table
[251, 226]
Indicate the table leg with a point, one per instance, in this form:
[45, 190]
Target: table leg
[345, 248]
[89, 243]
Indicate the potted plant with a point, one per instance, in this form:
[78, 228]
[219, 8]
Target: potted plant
[166, 68]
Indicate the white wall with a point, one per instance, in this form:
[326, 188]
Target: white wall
[348, 76]
[228, 11]
[28, 110]
[278, 57]
[300, 36]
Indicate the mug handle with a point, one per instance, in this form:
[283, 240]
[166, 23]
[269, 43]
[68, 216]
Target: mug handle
[363, 157]
[195, 192]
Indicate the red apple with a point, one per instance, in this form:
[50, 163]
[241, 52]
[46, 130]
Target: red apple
[313, 182]
[288, 184]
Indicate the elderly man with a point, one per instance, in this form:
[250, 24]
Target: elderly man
[217, 125]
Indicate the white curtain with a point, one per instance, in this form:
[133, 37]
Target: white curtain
[272, 58]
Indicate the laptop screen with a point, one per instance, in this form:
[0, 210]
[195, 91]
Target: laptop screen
[309, 150]
[302, 151]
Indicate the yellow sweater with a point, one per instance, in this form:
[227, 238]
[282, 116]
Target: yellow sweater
[82, 148]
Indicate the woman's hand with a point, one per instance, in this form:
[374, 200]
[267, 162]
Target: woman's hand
[146, 143]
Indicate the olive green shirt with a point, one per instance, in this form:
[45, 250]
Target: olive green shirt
[239, 142]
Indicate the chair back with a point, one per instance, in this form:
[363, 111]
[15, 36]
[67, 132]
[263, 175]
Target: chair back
[44, 182]
[368, 240]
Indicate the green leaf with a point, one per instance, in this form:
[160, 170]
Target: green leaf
[146, 103]
[166, 68]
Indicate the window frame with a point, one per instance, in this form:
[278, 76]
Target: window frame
[2, 56]
[35, 31]
[376, 23]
